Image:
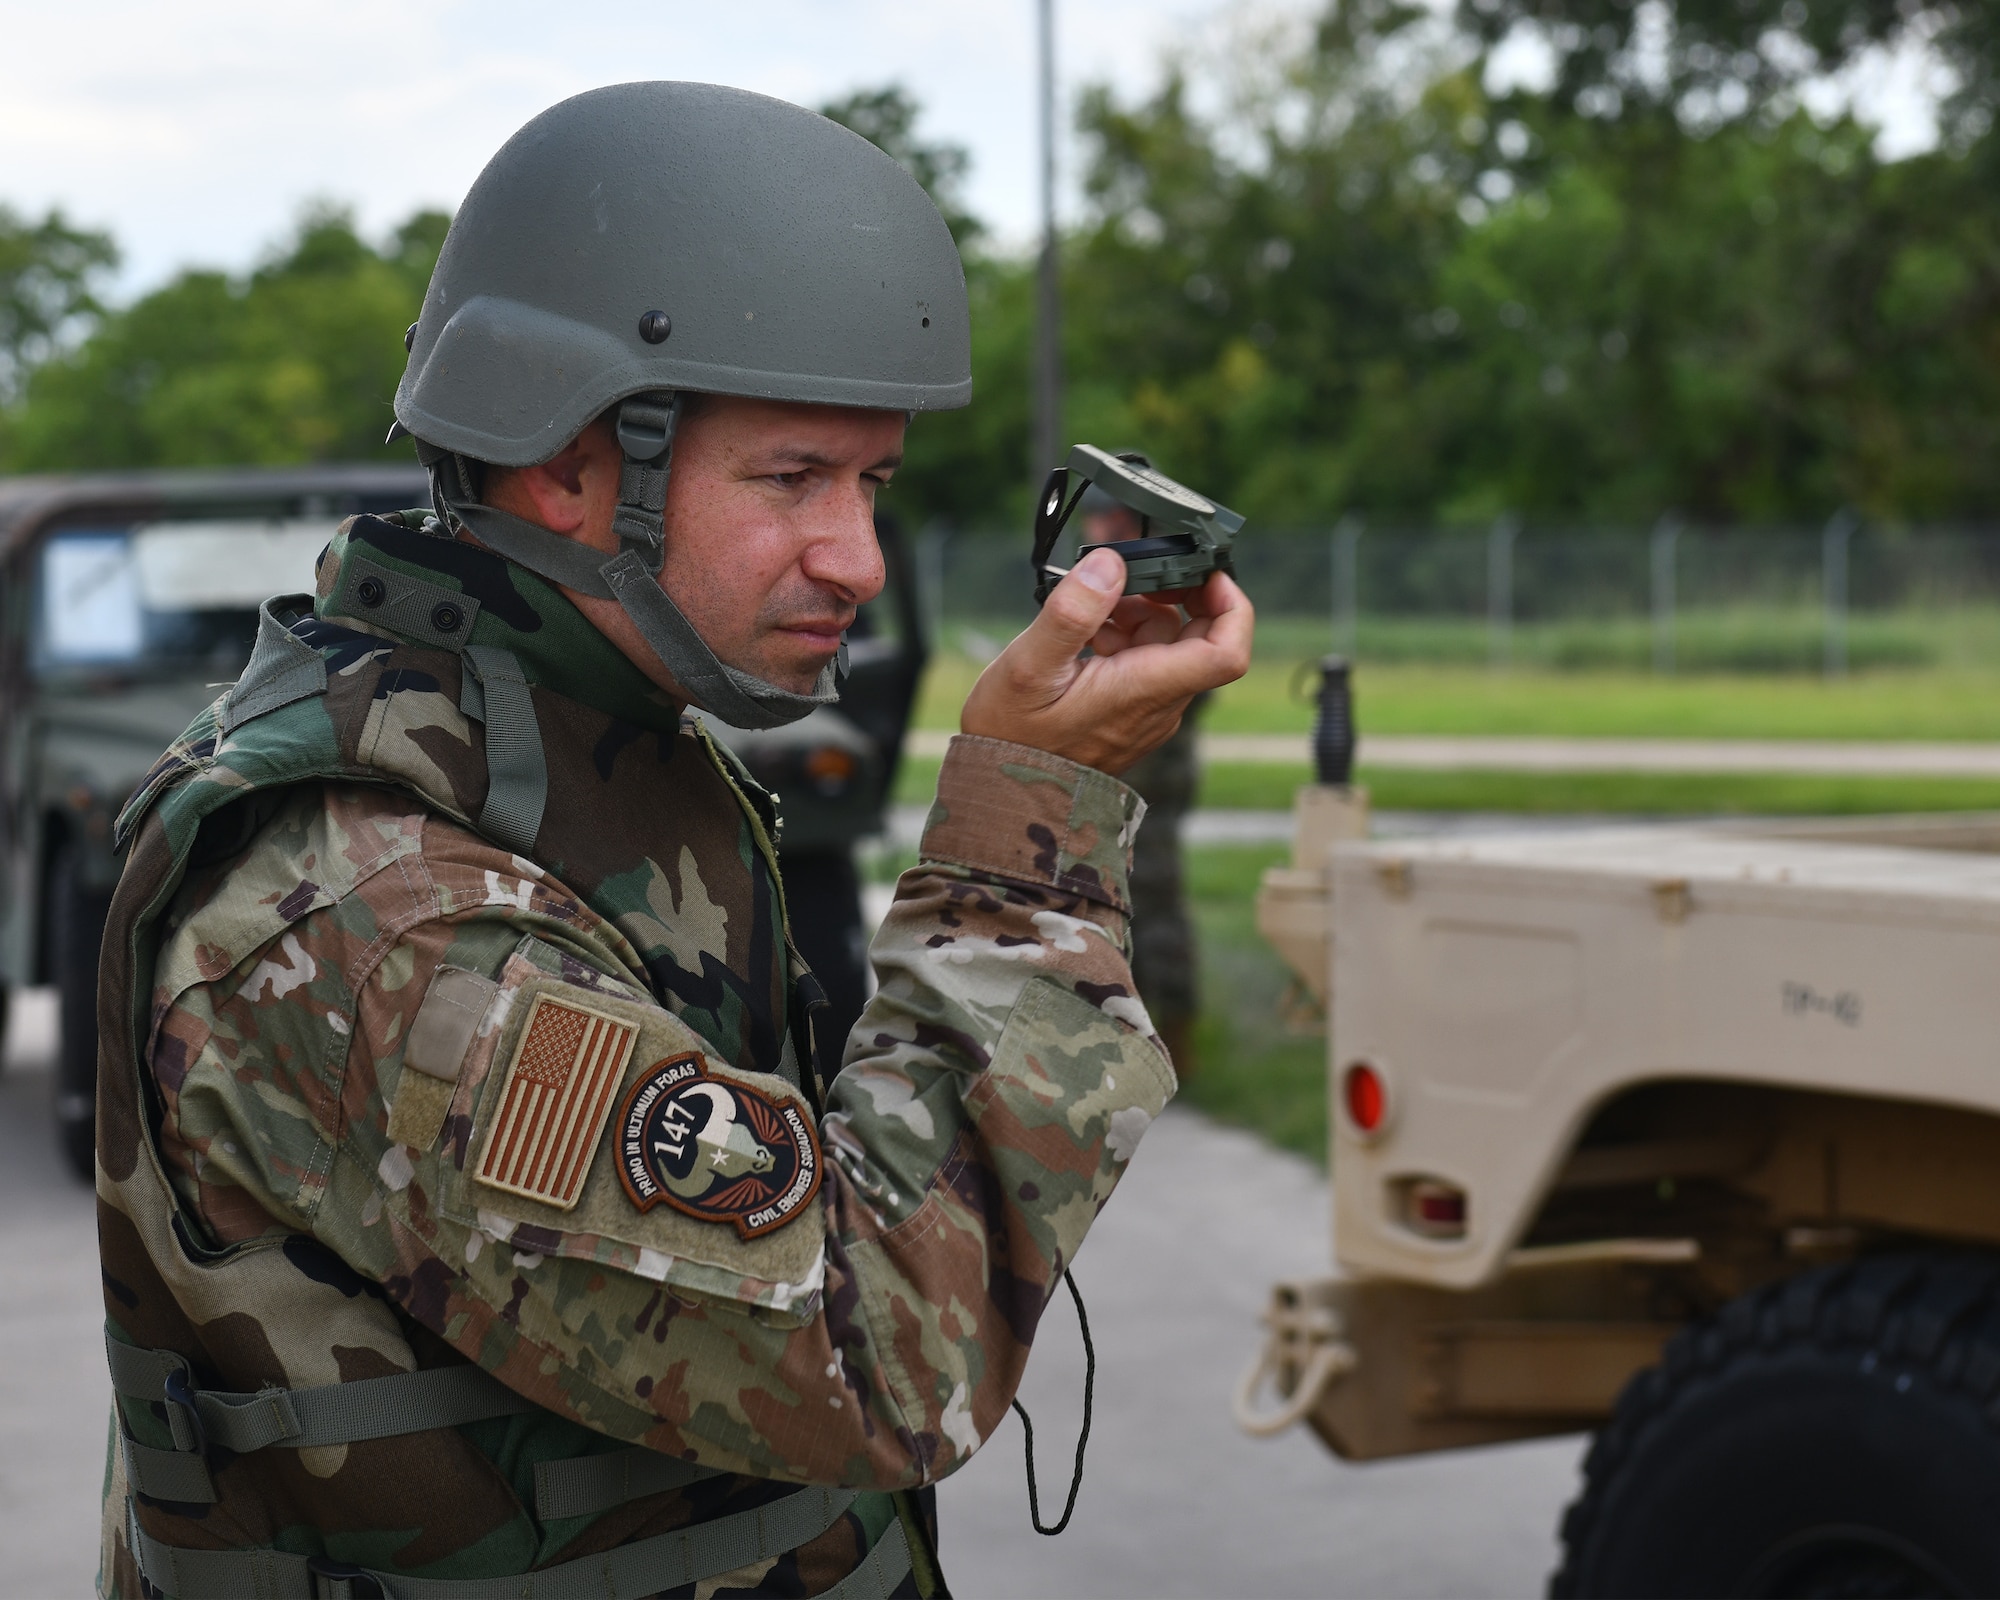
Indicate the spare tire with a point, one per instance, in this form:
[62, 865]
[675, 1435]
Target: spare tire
[1827, 1435]
[77, 914]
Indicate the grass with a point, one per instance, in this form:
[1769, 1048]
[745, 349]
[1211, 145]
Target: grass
[1253, 1069]
[1270, 787]
[1621, 793]
[1953, 692]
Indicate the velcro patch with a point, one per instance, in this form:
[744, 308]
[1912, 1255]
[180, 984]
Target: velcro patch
[715, 1148]
[553, 1104]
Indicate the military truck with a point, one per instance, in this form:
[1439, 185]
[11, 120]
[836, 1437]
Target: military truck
[129, 600]
[126, 601]
[1686, 1134]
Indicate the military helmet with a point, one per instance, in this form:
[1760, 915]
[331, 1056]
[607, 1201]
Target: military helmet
[666, 236]
[645, 240]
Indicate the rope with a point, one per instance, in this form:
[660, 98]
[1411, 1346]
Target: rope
[1082, 1438]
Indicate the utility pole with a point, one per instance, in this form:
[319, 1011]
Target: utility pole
[1047, 433]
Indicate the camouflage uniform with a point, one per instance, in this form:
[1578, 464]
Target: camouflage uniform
[325, 983]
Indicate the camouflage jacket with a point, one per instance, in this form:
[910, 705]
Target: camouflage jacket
[384, 1093]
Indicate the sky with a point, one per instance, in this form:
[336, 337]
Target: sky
[196, 129]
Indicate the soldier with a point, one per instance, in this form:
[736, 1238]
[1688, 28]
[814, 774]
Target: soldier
[1164, 954]
[473, 1222]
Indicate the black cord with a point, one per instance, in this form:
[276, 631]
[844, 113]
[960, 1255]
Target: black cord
[1082, 1438]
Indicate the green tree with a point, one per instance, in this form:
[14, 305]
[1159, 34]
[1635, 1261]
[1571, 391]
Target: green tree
[1347, 296]
[1711, 62]
[961, 466]
[887, 118]
[48, 270]
[297, 361]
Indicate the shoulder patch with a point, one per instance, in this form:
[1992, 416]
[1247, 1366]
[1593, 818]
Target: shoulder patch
[553, 1102]
[715, 1148]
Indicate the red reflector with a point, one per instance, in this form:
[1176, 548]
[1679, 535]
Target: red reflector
[1367, 1099]
[1439, 1206]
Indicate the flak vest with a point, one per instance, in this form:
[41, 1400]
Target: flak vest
[280, 1428]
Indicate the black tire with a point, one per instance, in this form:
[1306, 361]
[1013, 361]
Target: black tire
[76, 934]
[823, 897]
[1827, 1435]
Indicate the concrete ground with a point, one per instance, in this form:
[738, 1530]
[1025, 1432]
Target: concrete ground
[1175, 1501]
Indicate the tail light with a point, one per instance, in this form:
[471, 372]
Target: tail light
[1434, 1208]
[830, 769]
[1365, 1097]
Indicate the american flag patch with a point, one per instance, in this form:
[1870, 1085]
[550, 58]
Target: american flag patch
[553, 1105]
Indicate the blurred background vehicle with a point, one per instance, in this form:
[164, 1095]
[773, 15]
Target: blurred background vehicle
[126, 601]
[1682, 1133]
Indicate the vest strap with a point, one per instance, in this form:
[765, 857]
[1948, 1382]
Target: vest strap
[586, 1485]
[297, 1419]
[629, 1572]
[646, 425]
[517, 767]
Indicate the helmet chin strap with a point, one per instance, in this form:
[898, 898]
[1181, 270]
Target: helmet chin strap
[646, 425]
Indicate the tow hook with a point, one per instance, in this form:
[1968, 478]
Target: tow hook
[1304, 1351]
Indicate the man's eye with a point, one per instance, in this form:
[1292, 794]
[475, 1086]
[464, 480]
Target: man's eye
[789, 480]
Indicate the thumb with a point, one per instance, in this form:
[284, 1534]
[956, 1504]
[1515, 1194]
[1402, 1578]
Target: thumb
[1075, 609]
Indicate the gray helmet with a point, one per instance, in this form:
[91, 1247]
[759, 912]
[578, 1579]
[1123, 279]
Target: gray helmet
[650, 238]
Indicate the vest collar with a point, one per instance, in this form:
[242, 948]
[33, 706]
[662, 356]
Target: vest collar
[387, 575]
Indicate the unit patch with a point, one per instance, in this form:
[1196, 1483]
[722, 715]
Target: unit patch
[715, 1148]
[553, 1105]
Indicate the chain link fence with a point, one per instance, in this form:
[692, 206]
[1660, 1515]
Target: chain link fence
[1846, 596]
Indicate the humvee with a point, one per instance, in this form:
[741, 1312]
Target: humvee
[129, 600]
[1686, 1134]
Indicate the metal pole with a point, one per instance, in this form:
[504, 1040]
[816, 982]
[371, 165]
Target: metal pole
[1500, 588]
[1666, 540]
[1346, 584]
[1833, 588]
[1047, 441]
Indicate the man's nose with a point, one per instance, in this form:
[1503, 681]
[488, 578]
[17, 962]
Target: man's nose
[845, 554]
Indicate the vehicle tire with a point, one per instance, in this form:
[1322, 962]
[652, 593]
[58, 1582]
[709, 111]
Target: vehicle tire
[823, 898]
[1826, 1435]
[76, 933]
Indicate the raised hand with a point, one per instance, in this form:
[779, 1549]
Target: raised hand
[1127, 697]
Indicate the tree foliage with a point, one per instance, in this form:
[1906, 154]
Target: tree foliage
[1335, 272]
[887, 118]
[47, 272]
[297, 361]
[1342, 295]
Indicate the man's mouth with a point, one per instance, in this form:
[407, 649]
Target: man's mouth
[819, 633]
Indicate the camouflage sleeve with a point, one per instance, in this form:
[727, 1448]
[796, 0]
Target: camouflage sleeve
[445, 1066]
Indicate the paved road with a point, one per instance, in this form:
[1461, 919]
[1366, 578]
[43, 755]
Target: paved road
[1175, 1501]
[1881, 758]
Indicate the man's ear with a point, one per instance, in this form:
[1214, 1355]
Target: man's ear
[559, 493]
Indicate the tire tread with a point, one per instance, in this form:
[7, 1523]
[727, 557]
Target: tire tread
[1936, 1310]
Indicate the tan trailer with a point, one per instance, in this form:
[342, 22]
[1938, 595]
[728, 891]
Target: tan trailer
[1687, 1134]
